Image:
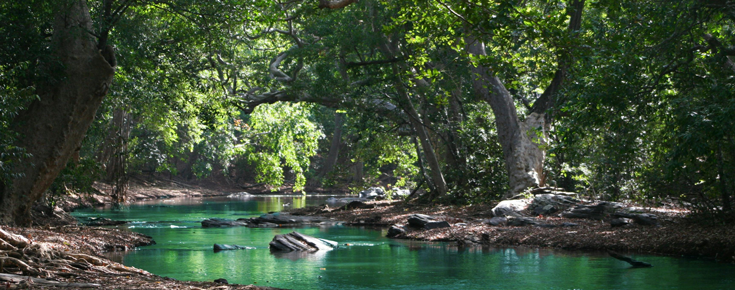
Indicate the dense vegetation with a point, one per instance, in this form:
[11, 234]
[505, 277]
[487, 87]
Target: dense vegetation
[471, 101]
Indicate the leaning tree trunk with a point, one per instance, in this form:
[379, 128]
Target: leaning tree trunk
[54, 126]
[522, 141]
[523, 157]
[437, 177]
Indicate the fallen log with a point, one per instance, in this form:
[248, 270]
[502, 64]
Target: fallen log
[634, 263]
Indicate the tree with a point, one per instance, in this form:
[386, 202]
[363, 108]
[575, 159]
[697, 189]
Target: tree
[52, 127]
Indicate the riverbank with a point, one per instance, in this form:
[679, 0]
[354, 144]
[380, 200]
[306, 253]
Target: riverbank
[57, 252]
[675, 235]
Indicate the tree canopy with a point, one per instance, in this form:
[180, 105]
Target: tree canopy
[469, 101]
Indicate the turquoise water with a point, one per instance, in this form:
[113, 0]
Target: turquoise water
[371, 261]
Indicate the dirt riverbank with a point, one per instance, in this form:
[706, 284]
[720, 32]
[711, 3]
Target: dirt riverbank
[675, 235]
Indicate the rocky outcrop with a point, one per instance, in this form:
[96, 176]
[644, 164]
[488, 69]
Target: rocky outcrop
[295, 241]
[426, 222]
[546, 204]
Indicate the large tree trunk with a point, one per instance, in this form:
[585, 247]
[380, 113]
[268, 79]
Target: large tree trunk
[523, 157]
[522, 141]
[54, 126]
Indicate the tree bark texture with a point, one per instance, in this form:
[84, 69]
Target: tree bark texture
[522, 142]
[54, 126]
[523, 157]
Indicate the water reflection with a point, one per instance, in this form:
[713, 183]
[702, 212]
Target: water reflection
[365, 259]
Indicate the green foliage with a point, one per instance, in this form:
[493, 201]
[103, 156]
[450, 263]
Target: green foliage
[280, 136]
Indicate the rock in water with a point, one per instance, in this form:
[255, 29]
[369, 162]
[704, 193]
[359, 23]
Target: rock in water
[299, 242]
[426, 222]
[223, 247]
[395, 230]
[218, 222]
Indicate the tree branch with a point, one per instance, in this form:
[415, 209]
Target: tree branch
[335, 4]
[548, 97]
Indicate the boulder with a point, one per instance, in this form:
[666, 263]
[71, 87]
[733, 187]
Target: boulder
[426, 222]
[511, 207]
[295, 241]
[218, 222]
[372, 193]
[223, 247]
[395, 230]
[546, 204]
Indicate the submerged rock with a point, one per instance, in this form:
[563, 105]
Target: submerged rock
[223, 247]
[295, 241]
[218, 222]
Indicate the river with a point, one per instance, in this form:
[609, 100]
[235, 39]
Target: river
[368, 260]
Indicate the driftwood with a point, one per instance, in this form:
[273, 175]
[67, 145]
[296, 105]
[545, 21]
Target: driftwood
[634, 263]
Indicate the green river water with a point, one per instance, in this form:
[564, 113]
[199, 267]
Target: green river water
[371, 261]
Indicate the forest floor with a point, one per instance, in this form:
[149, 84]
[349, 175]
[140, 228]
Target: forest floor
[676, 235]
